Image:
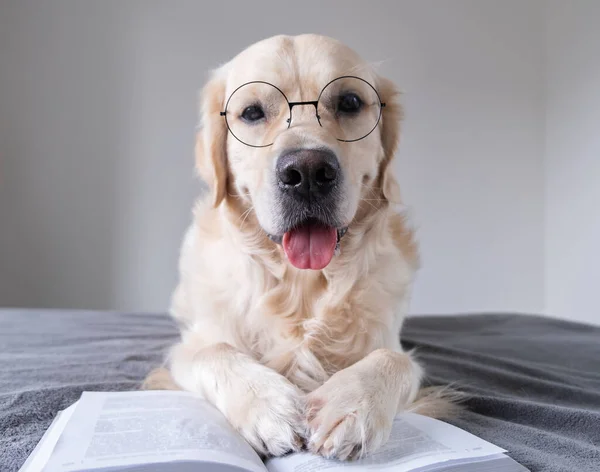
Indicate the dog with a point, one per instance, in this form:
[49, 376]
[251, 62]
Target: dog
[296, 272]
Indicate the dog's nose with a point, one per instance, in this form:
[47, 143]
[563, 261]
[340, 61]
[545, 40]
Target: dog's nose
[308, 173]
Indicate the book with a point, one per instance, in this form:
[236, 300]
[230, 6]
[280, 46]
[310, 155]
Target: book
[173, 431]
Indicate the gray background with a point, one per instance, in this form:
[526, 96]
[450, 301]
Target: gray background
[98, 110]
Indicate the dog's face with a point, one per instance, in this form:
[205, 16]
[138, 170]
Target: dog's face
[301, 130]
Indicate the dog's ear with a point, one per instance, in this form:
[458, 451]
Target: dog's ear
[390, 135]
[211, 138]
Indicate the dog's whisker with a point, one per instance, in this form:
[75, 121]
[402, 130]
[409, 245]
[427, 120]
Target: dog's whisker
[245, 212]
[372, 188]
[369, 203]
[357, 68]
[245, 215]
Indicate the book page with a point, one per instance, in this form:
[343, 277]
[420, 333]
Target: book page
[132, 428]
[40, 455]
[415, 442]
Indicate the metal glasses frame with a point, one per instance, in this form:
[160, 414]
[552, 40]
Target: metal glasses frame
[315, 103]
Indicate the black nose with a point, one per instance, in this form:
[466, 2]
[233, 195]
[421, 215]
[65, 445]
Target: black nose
[308, 173]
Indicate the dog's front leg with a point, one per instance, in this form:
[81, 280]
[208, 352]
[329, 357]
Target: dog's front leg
[351, 414]
[262, 405]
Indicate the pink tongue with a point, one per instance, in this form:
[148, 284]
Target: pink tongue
[310, 246]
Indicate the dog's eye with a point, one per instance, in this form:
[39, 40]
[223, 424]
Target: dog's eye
[253, 113]
[349, 103]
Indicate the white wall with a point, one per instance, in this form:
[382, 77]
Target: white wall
[98, 108]
[573, 160]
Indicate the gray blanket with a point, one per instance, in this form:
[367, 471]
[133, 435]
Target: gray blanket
[535, 382]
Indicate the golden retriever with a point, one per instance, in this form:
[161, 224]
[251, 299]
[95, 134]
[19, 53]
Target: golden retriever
[296, 272]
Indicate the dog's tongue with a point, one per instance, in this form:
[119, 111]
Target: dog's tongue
[310, 246]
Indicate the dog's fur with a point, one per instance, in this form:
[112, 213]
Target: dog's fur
[296, 356]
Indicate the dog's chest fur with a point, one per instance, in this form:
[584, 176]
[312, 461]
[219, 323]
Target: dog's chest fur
[309, 332]
[306, 325]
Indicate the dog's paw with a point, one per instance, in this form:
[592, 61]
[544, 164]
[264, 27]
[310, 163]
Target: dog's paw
[270, 416]
[348, 418]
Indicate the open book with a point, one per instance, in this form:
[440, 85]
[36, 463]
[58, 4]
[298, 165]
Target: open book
[179, 432]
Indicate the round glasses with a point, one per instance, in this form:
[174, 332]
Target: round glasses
[348, 107]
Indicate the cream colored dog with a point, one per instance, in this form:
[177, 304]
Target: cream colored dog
[296, 271]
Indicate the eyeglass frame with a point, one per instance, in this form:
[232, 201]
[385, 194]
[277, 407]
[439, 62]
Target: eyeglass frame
[315, 103]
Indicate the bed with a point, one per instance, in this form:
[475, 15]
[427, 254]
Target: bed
[534, 381]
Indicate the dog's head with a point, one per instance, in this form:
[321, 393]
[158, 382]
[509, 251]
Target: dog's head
[300, 130]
